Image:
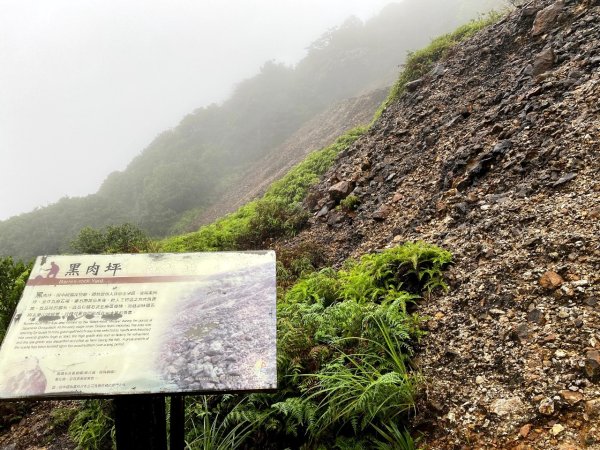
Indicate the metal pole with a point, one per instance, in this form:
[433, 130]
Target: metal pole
[140, 422]
[177, 423]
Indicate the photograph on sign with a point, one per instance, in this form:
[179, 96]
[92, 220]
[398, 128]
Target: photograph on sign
[91, 325]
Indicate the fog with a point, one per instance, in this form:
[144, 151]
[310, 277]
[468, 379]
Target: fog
[86, 85]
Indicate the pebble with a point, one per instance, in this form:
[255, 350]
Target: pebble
[546, 407]
[557, 429]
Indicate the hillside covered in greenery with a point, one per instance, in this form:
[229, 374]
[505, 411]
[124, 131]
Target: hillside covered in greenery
[186, 168]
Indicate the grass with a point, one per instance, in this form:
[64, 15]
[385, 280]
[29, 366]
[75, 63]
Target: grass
[92, 427]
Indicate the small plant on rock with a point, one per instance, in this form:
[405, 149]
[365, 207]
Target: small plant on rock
[350, 203]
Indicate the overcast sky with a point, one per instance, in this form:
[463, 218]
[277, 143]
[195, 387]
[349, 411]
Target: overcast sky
[86, 85]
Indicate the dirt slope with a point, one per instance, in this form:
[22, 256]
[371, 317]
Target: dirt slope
[494, 155]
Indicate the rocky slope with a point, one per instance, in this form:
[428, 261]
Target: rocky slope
[313, 135]
[494, 156]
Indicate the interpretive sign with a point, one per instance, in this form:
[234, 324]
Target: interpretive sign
[94, 325]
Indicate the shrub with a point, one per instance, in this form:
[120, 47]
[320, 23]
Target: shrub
[344, 342]
[350, 203]
[297, 260]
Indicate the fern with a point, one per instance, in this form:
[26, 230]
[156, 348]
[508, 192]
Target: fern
[298, 412]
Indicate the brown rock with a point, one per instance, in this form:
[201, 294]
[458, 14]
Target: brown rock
[546, 18]
[572, 398]
[592, 364]
[568, 446]
[525, 429]
[543, 62]
[592, 408]
[382, 213]
[340, 190]
[551, 280]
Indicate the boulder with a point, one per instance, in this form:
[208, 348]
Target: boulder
[340, 191]
[546, 18]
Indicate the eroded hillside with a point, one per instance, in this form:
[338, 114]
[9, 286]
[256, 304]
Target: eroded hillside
[316, 133]
[494, 156]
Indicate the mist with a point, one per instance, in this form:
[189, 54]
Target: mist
[86, 86]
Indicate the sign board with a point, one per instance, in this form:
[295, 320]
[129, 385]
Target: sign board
[93, 325]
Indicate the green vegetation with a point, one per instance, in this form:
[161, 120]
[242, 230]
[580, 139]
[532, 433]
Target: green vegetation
[213, 432]
[62, 417]
[125, 238]
[345, 339]
[350, 203]
[92, 427]
[277, 213]
[13, 277]
[419, 63]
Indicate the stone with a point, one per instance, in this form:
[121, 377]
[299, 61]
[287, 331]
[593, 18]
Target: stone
[335, 218]
[546, 18]
[525, 430]
[592, 365]
[382, 213]
[551, 280]
[215, 348]
[543, 61]
[341, 190]
[506, 406]
[438, 70]
[572, 398]
[529, 11]
[592, 408]
[522, 331]
[560, 354]
[564, 179]
[536, 316]
[413, 85]
[557, 429]
[546, 406]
